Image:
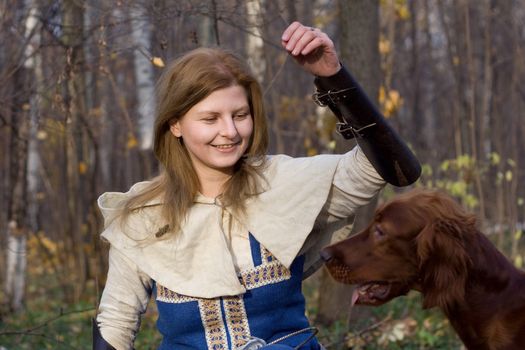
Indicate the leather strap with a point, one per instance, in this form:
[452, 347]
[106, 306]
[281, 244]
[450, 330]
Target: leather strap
[360, 119]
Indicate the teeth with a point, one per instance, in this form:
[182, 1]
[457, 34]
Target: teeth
[224, 146]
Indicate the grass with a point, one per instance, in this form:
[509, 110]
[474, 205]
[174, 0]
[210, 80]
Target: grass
[49, 323]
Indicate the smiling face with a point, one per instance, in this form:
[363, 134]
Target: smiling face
[216, 131]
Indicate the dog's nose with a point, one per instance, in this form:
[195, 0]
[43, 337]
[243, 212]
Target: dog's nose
[325, 255]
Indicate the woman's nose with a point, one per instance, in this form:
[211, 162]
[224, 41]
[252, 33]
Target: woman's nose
[228, 127]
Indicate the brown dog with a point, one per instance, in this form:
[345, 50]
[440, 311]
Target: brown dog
[424, 240]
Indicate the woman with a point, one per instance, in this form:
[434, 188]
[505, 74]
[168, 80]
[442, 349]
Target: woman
[223, 237]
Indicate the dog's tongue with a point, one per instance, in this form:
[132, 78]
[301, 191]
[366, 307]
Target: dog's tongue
[369, 293]
[355, 296]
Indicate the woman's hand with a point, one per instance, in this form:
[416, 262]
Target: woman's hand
[312, 49]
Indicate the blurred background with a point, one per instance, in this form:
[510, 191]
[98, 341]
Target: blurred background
[77, 82]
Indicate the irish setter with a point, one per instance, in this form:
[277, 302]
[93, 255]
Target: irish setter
[424, 240]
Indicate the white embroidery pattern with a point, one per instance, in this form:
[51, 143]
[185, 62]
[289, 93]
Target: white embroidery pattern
[211, 316]
[269, 272]
[168, 296]
[236, 320]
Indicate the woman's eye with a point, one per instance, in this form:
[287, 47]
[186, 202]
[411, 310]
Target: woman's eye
[241, 115]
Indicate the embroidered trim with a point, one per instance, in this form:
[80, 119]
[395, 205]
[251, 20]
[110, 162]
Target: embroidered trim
[264, 274]
[168, 296]
[211, 316]
[266, 256]
[237, 321]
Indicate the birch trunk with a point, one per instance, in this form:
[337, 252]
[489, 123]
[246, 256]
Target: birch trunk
[254, 42]
[17, 202]
[16, 266]
[144, 75]
[19, 177]
[34, 65]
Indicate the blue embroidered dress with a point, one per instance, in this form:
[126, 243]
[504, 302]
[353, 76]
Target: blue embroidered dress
[272, 307]
[215, 288]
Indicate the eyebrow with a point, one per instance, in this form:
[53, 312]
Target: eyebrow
[209, 112]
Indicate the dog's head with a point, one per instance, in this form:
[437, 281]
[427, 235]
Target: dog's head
[413, 242]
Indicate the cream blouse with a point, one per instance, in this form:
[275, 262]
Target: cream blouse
[305, 206]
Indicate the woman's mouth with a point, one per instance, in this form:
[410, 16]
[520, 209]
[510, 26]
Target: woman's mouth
[226, 146]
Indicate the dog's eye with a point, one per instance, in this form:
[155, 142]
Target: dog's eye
[378, 233]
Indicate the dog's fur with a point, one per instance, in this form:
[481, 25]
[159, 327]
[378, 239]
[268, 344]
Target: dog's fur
[424, 240]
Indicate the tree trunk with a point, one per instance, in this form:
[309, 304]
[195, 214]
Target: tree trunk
[17, 197]
[209, 26]
[359, 22]
[34, 66]
[144, 77]
[254, 42]
[76, 150]
[18, 204]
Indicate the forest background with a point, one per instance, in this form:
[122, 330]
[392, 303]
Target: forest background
[77, 83]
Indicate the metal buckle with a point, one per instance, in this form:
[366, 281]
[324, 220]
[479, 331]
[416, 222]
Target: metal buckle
[323, 99]
[253, 344]
[316, 99]
[348, 131]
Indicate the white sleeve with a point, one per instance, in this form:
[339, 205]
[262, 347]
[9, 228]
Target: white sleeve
[355, 183]
[124, 299]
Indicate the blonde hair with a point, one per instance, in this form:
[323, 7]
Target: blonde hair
[184, 83]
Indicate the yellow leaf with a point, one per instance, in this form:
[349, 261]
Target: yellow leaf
[494, 158]
[395, 98]
[518, 234]
[382, 94]
[403, 12]
[518, 261]
[132, 142]
[471, 201]
[426, 169]
[311, 152]
[508, 176]
[307, 142]
[157, 61]
[391, 101]
[41, 135]
[82, 167]
[520, 201]
[384, 46]
[26, 106]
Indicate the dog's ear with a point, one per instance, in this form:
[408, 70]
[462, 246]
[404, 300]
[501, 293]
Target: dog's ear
[443, 263]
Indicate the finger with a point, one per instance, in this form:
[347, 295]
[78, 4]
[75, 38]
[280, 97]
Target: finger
[305, 40]
[296, 37]
[312, 46]
[287, 34]
[321, 39]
